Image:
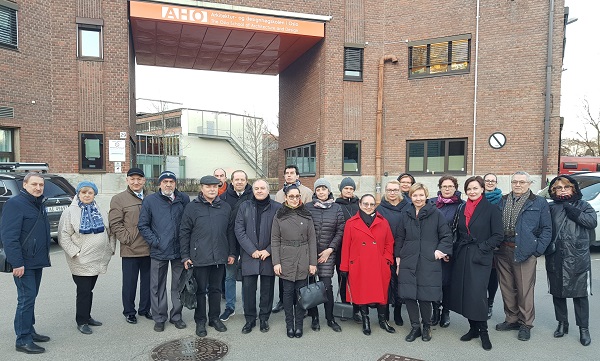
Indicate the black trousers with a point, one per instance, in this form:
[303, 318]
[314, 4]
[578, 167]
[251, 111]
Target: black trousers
[582, 310]
[314, 312]
[482, 326]
[413, 307]
[131, 268]
[83, 304]
[280, 290]
[208, 279]
[294, 313]
[267, 293]
[492, 286]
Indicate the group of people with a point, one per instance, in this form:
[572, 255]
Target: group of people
[435, 255]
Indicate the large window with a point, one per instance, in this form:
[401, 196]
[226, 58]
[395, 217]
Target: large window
[8, 24]
[91, 149]
[7, 153]
[305, 157]
[351, 155]
[437, 156]
[156, 145]
[89, 39]
[442, 56]
[353, 64]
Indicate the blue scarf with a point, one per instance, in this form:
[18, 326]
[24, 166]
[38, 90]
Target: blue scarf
[91, 220]
[494, 196]
[296, 183]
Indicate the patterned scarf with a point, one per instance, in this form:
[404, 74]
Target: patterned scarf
[286, 185]
[494, 196]
[441, 201]
[512, 208]
[91, 220]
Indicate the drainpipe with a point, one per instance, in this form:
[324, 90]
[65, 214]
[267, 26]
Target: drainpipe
[475, 89]
[548, 93]
[379, 122]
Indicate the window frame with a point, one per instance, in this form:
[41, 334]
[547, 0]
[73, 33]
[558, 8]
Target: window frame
[94, 25]
[12, 10]
[298, 155]
[447, 141]
[450, 40]
[358, 168]
[89, 165]
[10, 154]
[350, 65]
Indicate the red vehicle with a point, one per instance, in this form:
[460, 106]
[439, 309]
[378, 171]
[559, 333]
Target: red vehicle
[571, 165]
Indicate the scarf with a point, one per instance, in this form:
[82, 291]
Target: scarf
[367, 218]
[260, 207]
[323, 204]
[91, 220]
[494, 196]
[441, 201]
[511, 211]
[469, 210]
[286, 185]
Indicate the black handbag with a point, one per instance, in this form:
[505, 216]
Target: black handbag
[343, 309]
[187, 288]
[455, 223]
[312, 295]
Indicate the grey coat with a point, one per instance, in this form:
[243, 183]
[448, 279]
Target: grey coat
[293, 242]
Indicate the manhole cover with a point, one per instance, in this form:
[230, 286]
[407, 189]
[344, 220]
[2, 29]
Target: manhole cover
[190, 349]
[390, 357]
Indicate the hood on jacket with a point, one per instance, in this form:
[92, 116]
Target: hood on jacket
[397, 208]
[285, 212]
[576, 191]
[346, 201]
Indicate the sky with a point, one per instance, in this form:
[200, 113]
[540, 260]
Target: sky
[258, 95]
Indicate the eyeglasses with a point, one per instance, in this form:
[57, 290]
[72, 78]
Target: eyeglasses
[294, 197]
[448, 187]
[560, 188]
[393, 190]
[490, 181]
[367, 205]
[521, 182]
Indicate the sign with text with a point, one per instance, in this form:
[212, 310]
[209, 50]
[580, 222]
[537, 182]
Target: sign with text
[116, 150]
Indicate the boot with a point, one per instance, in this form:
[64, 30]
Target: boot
[562, 329]
[473, 333]
[426, 336]
[398, 315]
[383, 323]
[435, 315]
[486, 344]
[445, 318]
[365, 320]
[315, 323]
[415, 332]
[584, 336]
[356, 314]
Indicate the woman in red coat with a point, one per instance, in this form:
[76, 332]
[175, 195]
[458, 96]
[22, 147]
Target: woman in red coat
[367, 253]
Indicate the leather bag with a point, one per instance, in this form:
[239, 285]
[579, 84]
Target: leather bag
[343, 309]
[312, 295]
[4, 265]
[187, 288]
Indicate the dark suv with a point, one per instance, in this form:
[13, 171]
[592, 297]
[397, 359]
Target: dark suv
[58, 191]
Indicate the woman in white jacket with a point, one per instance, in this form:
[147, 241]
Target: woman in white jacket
[84, 236]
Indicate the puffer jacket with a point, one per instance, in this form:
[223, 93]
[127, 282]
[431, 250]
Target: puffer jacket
[159, 223]
[123, 218]
[349, 206]
[329, 230]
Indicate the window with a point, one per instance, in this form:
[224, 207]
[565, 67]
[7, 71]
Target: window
[7, 153]
[8, 24]
[89, 39]
[351, 155]
[305, 157]
[442, 56]
[91, 148]
[155, 145]
[437, 156]
[353, 64]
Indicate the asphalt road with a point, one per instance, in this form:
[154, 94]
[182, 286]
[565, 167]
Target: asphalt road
[118, 340]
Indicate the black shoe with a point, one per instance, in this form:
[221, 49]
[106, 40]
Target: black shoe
[445, 318]
[30, 348]
[524, 333]
[398, 315]
[334, 326]
[248, 327]
[85, 329]
[315, 324]
[562, 329]
[39, 338]
[298, 333]
[414, 333]
[490, 311]
[356, 317]
[435, 315]
[148, 315]
[486, 344]
[584, 336]
[264, 326]
[131, 319]
[218, 325]
[426, 335]
[505, 326]
[159, 326]
[473, 333]
[278, 307]
[201, 330]
[385, 325]
[366, 323]
[179, 324]
[290, 333]
[93, 322]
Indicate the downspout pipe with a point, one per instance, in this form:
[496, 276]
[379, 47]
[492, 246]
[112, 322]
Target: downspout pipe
[548, 95]
[475, 87]
[379, 125]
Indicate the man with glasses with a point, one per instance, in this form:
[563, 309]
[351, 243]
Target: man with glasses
[527, 233]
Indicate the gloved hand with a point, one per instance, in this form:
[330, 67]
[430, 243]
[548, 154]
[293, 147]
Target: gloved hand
[572, 212]
[344, 274]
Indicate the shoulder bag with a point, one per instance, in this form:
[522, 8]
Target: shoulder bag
[455, 223]
[343, 309]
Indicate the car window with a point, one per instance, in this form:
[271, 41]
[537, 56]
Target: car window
[591, 191]
[54, 187]
[2, 188]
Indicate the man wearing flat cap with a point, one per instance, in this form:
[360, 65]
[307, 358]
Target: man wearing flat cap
[159, 222]
[135, 254]
[207, 247]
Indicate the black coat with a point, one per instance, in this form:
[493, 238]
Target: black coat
[420, 276]
[329, 229]
[349, 206]
[245, 232]
[472, 260]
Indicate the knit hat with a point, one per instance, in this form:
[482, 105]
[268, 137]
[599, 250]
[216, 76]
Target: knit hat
[209, 179]
[406, 175]
[347, 182]
[167, 175]
[322, 182]
[86, 184]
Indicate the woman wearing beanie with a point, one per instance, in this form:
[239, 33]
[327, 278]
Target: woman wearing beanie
[328, 219]
[493, 194]
[84, 236]
[294, 252]
[568, 268]
[367, 252]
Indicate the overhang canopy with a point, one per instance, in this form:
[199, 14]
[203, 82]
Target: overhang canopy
[213, 39]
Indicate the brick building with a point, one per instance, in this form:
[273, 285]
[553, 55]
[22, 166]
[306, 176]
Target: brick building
[452, 77]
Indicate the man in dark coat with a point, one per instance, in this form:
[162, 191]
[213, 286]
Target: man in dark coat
[25, 235]
[253, 231]
[206, 245]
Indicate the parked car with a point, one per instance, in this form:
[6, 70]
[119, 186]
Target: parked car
[58, 191]
[589, 183]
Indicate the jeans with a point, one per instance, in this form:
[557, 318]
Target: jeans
[28, 287]
[230, 284]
